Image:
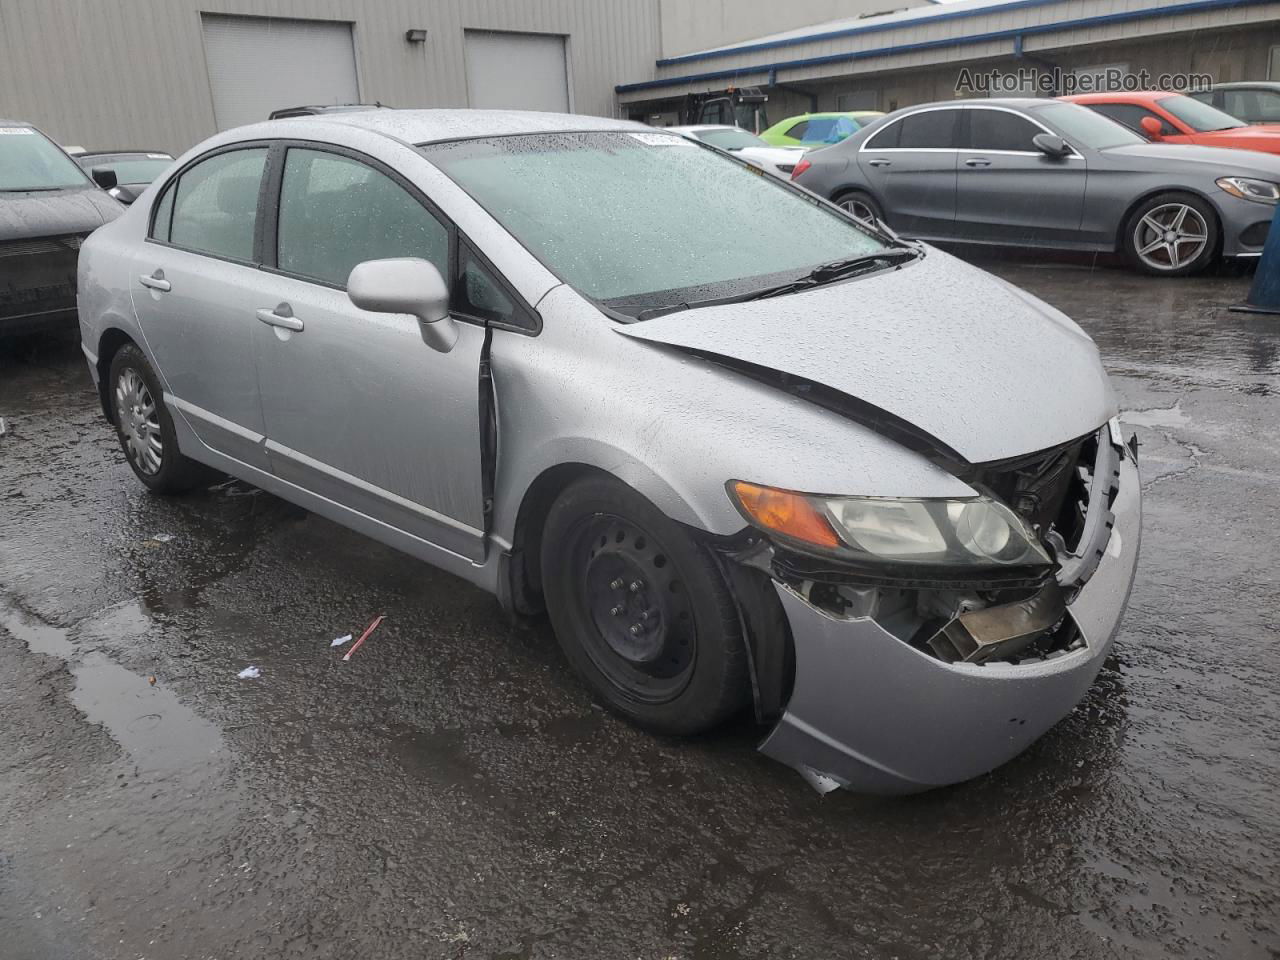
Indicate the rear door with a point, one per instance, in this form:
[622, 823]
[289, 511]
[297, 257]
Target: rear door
[910, 165]
[359, 409]
[193, 288]
[1009, 191]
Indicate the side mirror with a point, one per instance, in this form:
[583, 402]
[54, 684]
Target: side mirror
[104, 177]
[1051, 145]
[406, 285]
[1152, 128]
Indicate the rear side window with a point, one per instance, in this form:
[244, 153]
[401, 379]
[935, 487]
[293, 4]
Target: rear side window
[336, 212]
[1000, 130]
[797, 132]
[215, 204]
[928, 130]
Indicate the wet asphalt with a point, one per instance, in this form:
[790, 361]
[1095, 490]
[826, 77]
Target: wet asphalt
[453, 792]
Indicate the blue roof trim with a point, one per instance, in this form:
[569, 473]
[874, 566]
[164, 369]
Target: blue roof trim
[872, 27]
[731, 73]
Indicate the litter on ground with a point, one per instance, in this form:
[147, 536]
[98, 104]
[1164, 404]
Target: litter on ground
[364, 636]
[340, 641]
[249, 673]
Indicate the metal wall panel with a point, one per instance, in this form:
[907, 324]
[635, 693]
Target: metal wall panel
[132, 72]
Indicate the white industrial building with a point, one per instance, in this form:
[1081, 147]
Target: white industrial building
[165, 74]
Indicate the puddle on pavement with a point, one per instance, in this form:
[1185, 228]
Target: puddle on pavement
[149, 722]
[1156, 417]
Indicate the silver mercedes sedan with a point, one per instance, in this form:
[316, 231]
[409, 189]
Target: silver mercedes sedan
[1043, 173]
[876, 495]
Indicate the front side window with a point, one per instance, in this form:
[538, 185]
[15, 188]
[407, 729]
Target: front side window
[1001, 130]
[30, 161]
[1200, 117]
[479, 294]
[213, 206]
[691, 231]
[336, 212]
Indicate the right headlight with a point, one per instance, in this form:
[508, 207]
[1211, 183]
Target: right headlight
[887, 531]
[1246, 188]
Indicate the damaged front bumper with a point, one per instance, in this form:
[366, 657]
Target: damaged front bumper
[871, 713]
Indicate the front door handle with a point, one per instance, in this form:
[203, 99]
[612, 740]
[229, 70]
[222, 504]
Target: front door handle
[880, 162]
[156, 281]
[281, 316]
[977, 162]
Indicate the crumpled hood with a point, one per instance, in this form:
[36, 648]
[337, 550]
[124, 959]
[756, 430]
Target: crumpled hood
[25, 216]
[982, 366]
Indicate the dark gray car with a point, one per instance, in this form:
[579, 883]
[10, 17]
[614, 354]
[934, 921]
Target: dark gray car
[1044, 173]
[1253, 101]
[48, 205]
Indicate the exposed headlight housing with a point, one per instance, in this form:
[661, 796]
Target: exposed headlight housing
[892, 532]
[1246, 188]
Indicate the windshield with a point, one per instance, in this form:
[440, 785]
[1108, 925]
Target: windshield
[30, 161]
[131, 169]
[1200, 117]
[1081, 127]
[729, 139]
[651, 218]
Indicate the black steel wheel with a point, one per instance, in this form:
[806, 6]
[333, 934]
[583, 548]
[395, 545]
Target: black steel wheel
[641, 610]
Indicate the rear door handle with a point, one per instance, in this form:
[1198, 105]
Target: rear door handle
[977, 162]
[880, 162]
[156, 281]
[281, 316]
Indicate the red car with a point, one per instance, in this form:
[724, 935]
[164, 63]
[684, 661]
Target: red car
[1173, 118]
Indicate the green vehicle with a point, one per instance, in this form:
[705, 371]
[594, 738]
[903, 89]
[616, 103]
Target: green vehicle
[818, 129]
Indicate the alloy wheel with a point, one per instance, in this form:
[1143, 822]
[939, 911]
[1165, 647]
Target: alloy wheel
[1170, 236]
[859, 209]
[139, 421]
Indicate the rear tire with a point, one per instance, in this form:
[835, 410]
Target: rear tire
[145, 428]
[859, 204]
[1172, 235]
[641, 610]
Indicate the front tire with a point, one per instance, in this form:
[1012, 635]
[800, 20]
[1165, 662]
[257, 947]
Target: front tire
[641, 610]
[145, 427]
[1172, 235]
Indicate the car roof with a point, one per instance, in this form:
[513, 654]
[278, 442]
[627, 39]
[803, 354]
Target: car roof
[1245, 85]
[1139, 96]
[434, 126]
[126, 153]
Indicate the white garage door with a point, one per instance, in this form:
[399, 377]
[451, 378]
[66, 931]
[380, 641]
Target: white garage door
[260, 64]
[517, 71]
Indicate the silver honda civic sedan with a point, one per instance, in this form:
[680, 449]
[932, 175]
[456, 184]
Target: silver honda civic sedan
[1044, 173]
[876, 495]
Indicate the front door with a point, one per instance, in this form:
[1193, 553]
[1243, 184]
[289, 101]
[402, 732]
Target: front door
[193, 285]
[1009, 191]
[910, 166]
[359, 409]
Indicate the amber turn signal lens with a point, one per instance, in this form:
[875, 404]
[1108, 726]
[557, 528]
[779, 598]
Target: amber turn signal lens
[785, 512]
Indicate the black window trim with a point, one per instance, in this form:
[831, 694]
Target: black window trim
[270, 224]
[532, 328]
[172, 184]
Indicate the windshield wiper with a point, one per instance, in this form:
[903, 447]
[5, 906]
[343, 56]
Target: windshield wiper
[823, 273]
[31, 189]
[838, 270]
